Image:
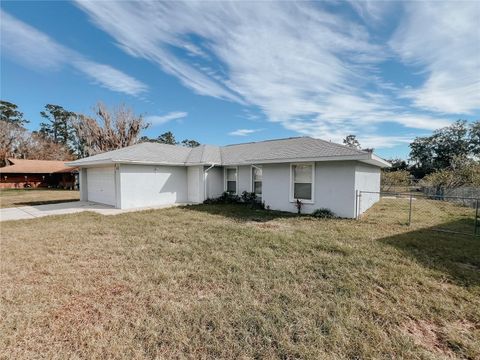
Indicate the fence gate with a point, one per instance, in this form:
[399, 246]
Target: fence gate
[453, 214]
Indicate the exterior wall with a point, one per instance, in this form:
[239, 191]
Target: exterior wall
[118, 187]
[367, 178]
[244, 178]
[215, 182]
[145, 185]
[82, 182]
[195, 184]
[334, 188]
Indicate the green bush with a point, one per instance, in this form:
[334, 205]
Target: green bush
[324, 213]
[225, 198]
[247, 198]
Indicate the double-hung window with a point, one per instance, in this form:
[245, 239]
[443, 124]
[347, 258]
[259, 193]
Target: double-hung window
[302, 180]
[231, 180]
[257, 181]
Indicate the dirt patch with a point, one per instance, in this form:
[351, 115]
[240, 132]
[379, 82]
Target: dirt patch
[271, 226]
[88, 308]
[428, 335]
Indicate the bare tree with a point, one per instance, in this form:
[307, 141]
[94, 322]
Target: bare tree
[113, 129]
[11, 135]
[36, 146]
[17, 142]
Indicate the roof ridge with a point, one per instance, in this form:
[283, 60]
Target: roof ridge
[263, 141]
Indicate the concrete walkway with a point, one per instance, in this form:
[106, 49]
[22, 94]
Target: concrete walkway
[32, 212]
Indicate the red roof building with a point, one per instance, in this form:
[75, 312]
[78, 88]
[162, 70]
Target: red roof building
[20, 173]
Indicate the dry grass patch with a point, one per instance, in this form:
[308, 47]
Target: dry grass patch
[226, 282]
[30, 197]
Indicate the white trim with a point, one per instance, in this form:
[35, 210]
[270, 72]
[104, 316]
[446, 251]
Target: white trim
[225, 178]
[252, 188]
[305, 201]
[368, 158]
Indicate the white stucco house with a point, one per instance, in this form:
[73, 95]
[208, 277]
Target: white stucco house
[320, 173]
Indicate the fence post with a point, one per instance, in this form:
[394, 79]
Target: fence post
[410, 211]
[476, 218]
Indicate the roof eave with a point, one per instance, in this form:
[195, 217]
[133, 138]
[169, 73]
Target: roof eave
[369, 158]
[122, 161]
[377, 161]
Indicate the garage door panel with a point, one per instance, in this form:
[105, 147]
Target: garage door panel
[101, 185]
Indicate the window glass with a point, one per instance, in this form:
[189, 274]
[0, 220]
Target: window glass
[232, 180]
[257, 181]
[302, 173]
[302, 181]
[257, 174]
[257, 185]
[231, 186]
[232, 174]
[302, 191]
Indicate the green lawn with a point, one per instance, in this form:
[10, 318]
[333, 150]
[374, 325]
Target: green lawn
[31, 197]
[219, 281]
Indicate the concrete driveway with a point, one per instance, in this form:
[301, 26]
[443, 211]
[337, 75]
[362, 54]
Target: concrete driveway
[31, 212]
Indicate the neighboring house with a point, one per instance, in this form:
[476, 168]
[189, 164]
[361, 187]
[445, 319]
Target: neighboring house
[20, 173]
[321, 174]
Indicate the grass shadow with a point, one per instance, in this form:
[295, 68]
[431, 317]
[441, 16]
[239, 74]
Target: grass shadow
[240, 212]
[456, 255]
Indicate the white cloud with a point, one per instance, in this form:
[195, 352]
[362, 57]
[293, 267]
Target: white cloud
[313, 71]
[111, 78]
[38, 51]
[243, 132]
[372, 10]
[162, 119]
[447, 47]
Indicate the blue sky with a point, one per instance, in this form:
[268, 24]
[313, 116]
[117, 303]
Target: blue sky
[230, 72]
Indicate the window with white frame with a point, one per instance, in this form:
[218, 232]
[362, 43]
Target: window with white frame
[231, 180]
[302, 176]
[257, 180]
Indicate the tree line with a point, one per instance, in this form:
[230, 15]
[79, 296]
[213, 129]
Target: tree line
[450, 157]
[66, 135]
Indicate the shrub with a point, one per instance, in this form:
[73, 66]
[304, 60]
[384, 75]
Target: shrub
[299, 205]
[225, 198]
[392, 179]
[249, 197]
[323, 213]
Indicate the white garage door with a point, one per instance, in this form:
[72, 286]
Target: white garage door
[101, 185]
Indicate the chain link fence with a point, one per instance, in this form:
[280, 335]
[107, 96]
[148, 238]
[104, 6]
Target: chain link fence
[453, 214]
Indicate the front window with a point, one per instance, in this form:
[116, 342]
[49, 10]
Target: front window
[231, 180]
[302, 176]
[257, 181]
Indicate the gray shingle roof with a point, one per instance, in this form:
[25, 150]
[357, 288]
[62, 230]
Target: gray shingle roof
[284, 149]
[143, 152]
[281, 150]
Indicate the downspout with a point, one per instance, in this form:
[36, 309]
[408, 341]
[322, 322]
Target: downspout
[205, 181]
